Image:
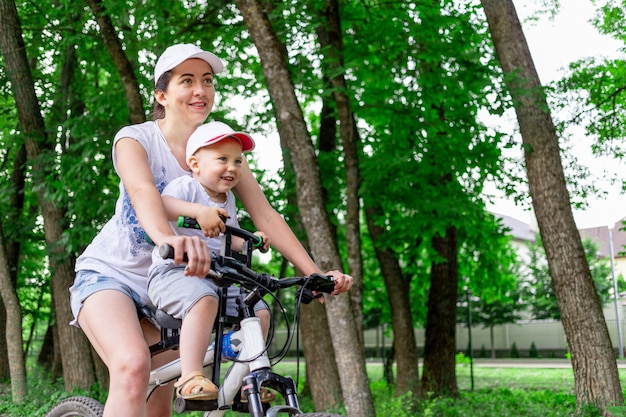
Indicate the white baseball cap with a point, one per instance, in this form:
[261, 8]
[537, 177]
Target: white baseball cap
[213, 132]
[177, 54]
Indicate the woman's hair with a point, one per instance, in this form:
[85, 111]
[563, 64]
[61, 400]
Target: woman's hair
[158, 111]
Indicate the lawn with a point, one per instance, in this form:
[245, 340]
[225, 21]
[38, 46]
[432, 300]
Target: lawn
[497, 391]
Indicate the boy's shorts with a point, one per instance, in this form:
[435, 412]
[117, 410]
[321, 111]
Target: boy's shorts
[173, 292]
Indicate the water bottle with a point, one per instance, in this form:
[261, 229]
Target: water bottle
[228, 351]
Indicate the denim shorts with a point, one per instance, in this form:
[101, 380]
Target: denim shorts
[88, 282]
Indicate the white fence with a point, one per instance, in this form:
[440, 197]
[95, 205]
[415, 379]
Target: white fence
[547, 335]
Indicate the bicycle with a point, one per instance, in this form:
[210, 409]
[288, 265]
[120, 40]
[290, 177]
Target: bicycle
[243, 345]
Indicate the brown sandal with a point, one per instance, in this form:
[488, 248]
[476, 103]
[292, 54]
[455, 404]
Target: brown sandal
[267, 396]
[195, 386]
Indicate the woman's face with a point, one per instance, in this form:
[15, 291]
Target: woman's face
[190, 92]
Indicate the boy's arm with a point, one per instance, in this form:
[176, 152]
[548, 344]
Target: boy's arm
[237, 242]
[207, 217]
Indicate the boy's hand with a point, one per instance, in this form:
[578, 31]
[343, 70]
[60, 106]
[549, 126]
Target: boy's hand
[266, 240]
[210, 222]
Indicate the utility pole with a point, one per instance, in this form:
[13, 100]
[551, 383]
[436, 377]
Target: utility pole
[618, 309]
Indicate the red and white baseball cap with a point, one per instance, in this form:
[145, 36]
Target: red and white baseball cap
[177, 54]
[213, 132]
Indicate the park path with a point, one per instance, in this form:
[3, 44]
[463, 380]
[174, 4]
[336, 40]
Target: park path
[531, 363]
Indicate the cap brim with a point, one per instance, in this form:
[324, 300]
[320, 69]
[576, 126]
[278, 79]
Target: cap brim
[216, 64]
[247, 144]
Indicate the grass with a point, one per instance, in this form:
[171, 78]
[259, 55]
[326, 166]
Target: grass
[502, 392]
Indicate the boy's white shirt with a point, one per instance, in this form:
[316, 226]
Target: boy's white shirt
[188, 189]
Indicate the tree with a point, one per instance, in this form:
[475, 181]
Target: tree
[398, 287]
[331, 40]
[349, 356]
[428, 155]
[496, 312]
[37, 142]
[122, 64]
[491, 275]
[322, 376]
[540, 293]
[595, 370]
[13, 329]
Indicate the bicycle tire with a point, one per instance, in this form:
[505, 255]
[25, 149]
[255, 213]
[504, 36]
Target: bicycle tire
[319, 415]
[76, 407]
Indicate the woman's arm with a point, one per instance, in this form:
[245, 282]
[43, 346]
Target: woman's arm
[135, 173]
[266, 218]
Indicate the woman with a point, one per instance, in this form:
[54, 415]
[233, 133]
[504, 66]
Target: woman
[111, 274]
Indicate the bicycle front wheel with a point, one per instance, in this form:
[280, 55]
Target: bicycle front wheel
[319, 415]
[77, 407]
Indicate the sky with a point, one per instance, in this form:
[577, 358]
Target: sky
[553, 43]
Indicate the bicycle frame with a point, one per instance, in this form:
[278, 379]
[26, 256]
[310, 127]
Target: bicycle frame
[252, 368]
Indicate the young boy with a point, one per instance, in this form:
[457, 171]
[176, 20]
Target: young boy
[214, 154]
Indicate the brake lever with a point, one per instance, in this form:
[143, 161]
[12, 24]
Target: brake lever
[321, 283]
[306, 295]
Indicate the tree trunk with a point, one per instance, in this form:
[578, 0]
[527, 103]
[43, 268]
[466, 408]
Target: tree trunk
[439, 373]
[77, 366]
[593, 359]
[398, 292]
[322, 375]
[122, 64]
[4, 354]
[13, 335]
[349, 354]
[12, 248]
[45, 358]
[330, 38]
[493, 345]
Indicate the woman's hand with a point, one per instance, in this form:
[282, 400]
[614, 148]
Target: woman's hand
[198, 256]
[343, 282]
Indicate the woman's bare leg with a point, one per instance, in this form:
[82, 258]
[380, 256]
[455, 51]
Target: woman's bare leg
[160, 402]
[109, 319]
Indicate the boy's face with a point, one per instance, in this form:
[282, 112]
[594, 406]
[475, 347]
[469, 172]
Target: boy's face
[218, 166]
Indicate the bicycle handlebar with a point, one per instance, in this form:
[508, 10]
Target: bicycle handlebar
[236, 271]
[257, 242]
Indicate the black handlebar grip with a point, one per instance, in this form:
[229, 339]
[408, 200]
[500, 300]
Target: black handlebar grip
[167, 252]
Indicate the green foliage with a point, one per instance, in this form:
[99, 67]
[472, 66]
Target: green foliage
[417, 77]
[462, 359]
[539, 293]
[492, 288]
[618, 411]
[42, 395]
[529, 392]
[483, 352]
[533, 352]
[514, 353]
